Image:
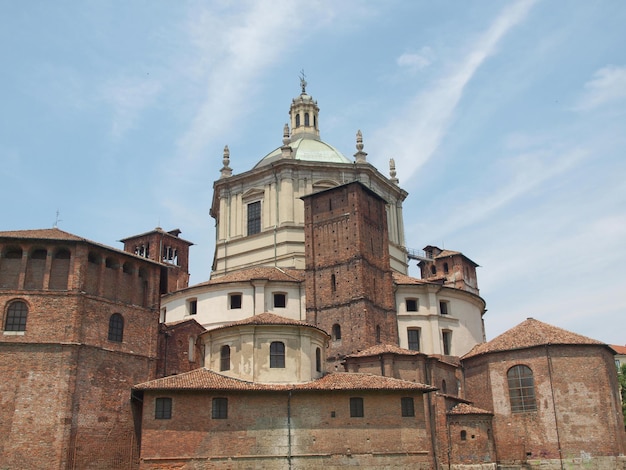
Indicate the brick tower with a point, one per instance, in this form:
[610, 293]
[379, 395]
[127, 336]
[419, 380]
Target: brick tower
[349, 287]
[166, 248]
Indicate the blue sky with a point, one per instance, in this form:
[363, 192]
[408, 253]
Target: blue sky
[507, 122]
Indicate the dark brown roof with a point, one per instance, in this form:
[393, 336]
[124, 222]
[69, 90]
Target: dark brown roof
[43, 234]
[204, 379]
[465, 409]
[529, 334]
[383, 349]
[267, 318]
[170, 233]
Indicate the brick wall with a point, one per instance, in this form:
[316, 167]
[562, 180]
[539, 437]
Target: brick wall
[259, 434]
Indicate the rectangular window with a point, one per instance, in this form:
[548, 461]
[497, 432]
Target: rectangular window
[447, 342]
[277, 355]
[254, 217]
[280, 300]
[163, 408]
[443, 307]
[412, 305]
[220, 408]
[414, 338]
[235, 301]
[356, 407]
[192, 306]
[408, 406]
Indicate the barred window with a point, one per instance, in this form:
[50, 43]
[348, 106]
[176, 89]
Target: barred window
[17, 313]
[408, 406]
[521, 389]
[356, 407]
[163, 408]
[116, 328]
[220, 408]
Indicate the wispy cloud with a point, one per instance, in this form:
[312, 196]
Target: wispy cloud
[608, 85]
[428, 115]
[128, 97]
[236, 50]
[416, 60]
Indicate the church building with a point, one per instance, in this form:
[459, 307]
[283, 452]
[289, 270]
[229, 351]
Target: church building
[309, 347]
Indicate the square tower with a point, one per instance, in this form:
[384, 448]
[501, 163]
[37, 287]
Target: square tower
[349, 285]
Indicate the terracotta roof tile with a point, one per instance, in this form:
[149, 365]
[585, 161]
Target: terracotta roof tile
[465, 409]
[528, 334]
[621, 350]
[407, 280]
[267, 318]
[43, 234]
[269, 273]
[382, 349]
[204, 379]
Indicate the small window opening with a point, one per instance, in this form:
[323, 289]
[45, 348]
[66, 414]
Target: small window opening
[447, 342]
[463, 435]
[116, 328]
[318, 360]
[225, 358]
[412, 305]
[235, 301]
[413, 335]
[280, 300]
[277, 355]
[408, 406]
[336, 333]
[219, 408]
[356, 407]
[163, 408]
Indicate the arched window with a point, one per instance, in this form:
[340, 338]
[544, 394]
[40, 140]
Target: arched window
[225, 358]
[444, 387]
[445, 268]
[116, 328]
[297, 120]
[318, 360]
[306, 119]
[17, 314]
[463, 435]
[277, 355]
[521, 389]
[336, 333]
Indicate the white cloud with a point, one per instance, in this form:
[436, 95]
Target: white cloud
[428, 115]
[607, 86]
[416, 61]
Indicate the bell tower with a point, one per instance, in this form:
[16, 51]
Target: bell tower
[349, 285]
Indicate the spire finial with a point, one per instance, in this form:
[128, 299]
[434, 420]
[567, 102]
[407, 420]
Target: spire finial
[226, 169]
[360, 154]
[303, 83]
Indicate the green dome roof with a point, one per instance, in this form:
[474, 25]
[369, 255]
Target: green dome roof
[307, 149]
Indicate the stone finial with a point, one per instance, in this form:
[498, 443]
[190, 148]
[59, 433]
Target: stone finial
[392, 171]
[226, 170]
[286, 150]
[360, 155]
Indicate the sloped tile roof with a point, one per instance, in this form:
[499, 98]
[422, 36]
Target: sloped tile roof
[466, 409]
[384, 348]
[267, 318]
[529, 334]
[621, 350]
[204, 379]
[43, 234]
[403, 279]
[269, 273]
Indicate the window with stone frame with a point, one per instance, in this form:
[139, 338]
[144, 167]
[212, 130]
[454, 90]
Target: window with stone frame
[254, 217]
[413, 336]
[280, 300]
[412, 305]
[277, 355]
[234, 301]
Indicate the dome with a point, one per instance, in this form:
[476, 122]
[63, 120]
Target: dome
[307, 149]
